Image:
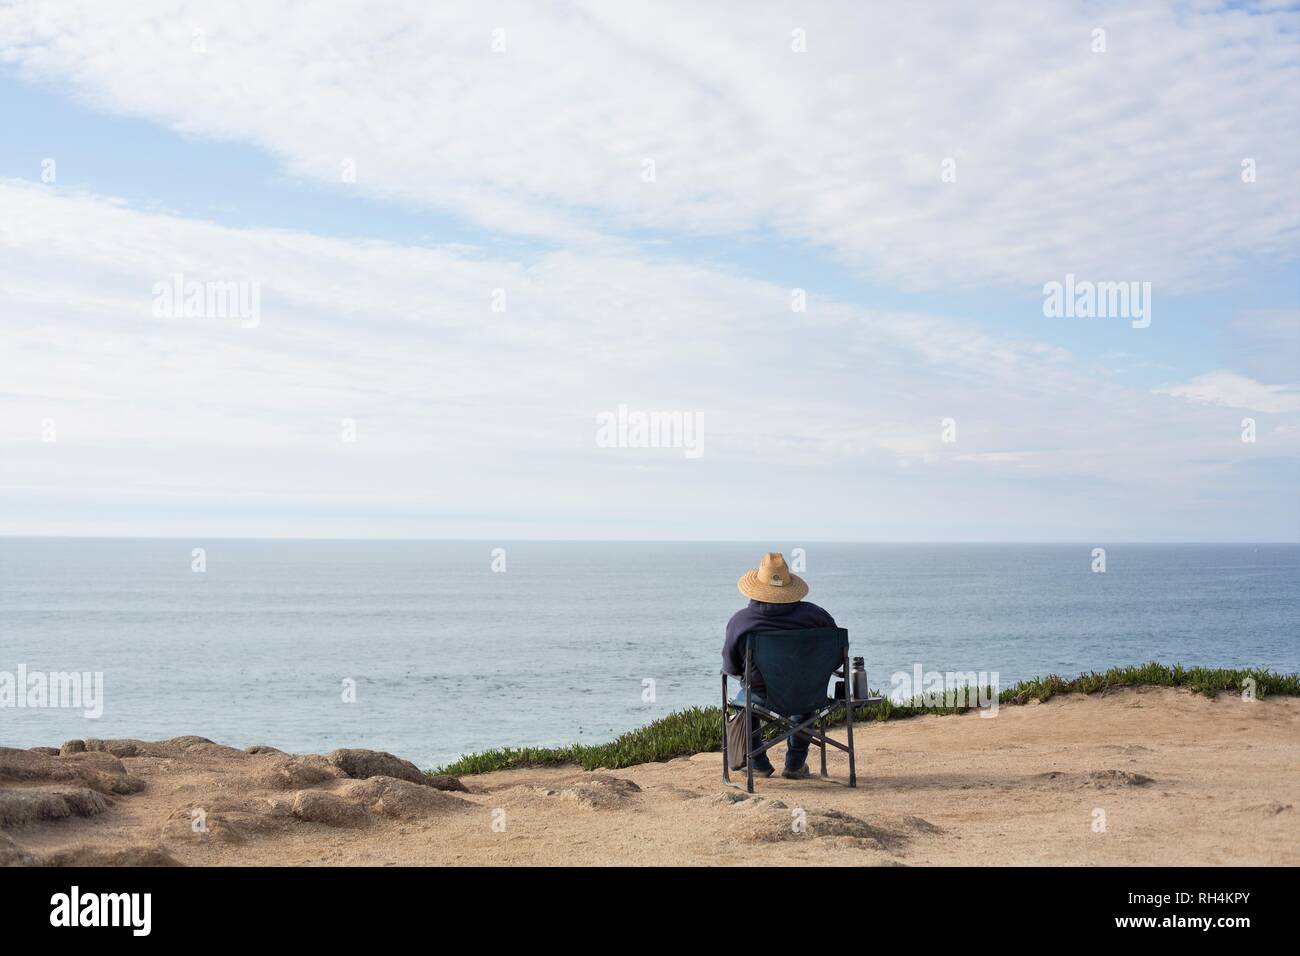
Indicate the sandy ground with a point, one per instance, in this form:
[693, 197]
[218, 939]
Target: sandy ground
[1149, 776]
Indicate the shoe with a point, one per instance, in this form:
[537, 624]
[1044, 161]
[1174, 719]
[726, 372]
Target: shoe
[803, 773]
[761, 771]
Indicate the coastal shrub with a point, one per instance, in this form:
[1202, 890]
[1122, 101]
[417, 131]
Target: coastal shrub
[699, 729]
[1206, 680]
[685, 732]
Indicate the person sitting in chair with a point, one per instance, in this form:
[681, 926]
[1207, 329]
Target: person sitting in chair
[776, 603]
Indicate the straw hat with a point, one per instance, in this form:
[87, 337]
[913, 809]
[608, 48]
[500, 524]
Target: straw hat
[772, 582]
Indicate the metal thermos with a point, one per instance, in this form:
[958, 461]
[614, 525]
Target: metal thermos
[859, 684]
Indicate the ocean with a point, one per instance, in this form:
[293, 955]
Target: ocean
[425, 649]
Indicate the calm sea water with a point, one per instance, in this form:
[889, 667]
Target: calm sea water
[449, 657]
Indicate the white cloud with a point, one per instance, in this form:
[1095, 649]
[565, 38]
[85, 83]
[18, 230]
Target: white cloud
[1115, 165]
[1236, 391]
[476, 423]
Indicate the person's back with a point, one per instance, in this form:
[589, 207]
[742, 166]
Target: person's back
[775, 604]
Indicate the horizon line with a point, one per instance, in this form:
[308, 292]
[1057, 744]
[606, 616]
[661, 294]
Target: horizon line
[481, 540]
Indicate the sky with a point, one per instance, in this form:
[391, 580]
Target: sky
[465, 234]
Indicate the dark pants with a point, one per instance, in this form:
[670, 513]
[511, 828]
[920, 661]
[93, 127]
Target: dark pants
[796, 754]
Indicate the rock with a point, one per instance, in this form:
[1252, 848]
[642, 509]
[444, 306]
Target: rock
[175, 747]
[25, 765]
[11, 854]
[294, 773]
[400, 799]
[1094, 779]
[21, 806]
[834, 823]
[73, 747]
[139, 855]
[118, 748]
[317, 806]
[228, 820]
[600, 791]
[620, 784]
[442, 781]
[263, 749]
[47, 751]
[188, 826]
[215, 750]
[360, 764]
[730, 796]
[99, 771]
[776, 825]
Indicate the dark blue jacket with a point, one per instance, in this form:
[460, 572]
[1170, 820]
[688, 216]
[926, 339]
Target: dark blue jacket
[760, 616]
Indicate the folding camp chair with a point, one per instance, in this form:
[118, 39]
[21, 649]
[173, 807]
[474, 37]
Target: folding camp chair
[796, 667]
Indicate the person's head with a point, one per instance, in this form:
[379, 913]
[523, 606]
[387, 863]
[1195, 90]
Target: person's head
[772, 582]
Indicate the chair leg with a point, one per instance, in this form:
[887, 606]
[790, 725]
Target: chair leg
[848, 701]
[749, 746]
[726, 757]
[821, 730]
[749, 719]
